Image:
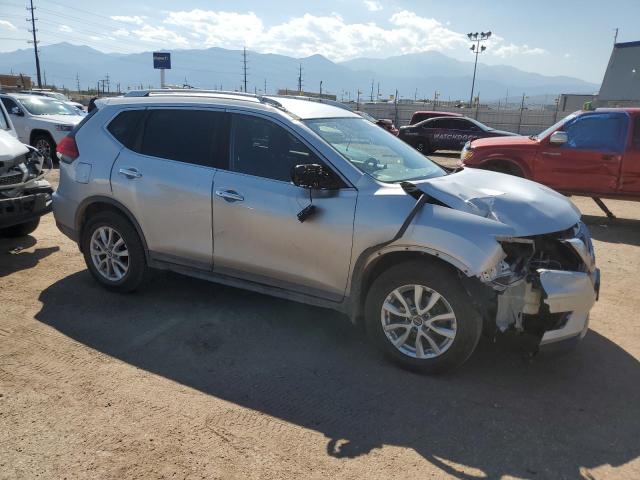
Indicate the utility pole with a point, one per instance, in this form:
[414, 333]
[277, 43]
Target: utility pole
[372, 90]
[477, 49]
[521, 110]
[265, 86]
[35, 41]
[44, 73]
[77, 82]
[378, 97]
[358, 100]
[615, 37]
[415, 96]
[108, 83]
[320, 88]
[395, 106]
[300, 80]
[244, 60]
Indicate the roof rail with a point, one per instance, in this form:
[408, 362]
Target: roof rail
[184, 91]
[334, 103]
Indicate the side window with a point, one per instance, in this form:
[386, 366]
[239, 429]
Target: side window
[8, 104]
[190, 136]
[126, 127]
[636, 132]
[434, 124]
[606, 132]
[466, 125]
[4, 123]
[264, 149]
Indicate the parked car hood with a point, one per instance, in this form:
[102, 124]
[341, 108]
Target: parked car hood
[10, 147]
[528, 208]
[504, 141]
[66, 119]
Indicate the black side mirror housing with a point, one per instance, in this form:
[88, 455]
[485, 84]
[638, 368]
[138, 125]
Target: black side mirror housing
[314, 177]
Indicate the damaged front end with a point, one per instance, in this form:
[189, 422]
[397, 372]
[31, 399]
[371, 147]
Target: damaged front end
[544, 287]
[24, 193]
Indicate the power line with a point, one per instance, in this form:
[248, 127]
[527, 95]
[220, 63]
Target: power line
[35, 42]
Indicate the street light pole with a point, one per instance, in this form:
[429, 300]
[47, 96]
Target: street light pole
[476, 48]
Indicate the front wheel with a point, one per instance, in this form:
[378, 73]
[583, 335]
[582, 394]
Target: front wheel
[423, 147]
[421, 317]
[47, 147]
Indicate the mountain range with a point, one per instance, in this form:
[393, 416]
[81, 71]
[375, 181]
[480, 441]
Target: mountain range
[425, 72]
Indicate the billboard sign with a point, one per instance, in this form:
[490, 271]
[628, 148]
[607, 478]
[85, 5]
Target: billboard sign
[162, 60]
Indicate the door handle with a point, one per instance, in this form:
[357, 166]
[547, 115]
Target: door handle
[608, 157]
[130, 172]
[551, 154]
[230, 195]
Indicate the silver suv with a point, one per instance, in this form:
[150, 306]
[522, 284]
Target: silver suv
[310, 202]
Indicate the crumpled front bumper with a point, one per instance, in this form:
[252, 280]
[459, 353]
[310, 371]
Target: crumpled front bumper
[27, 207]
[574, 292]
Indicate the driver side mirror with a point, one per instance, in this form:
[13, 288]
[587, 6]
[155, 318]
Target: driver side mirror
[17, 111]
[315, 177]
[558, 138]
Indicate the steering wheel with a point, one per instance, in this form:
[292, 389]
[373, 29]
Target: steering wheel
[372, 163]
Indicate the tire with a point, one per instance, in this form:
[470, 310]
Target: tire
[47, 147]
[466, 326]
[21, 229]
[135, 262]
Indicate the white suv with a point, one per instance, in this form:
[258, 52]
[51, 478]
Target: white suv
[40, 121]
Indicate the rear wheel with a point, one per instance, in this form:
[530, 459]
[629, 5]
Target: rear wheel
[113, 252]
[21, 229]
[421, 317]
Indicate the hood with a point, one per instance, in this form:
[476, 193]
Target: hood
[10, 147]
[66, 119]
[505, 141]
[527, 207]
[504, 133]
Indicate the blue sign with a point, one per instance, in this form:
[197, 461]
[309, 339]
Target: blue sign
[162, 60]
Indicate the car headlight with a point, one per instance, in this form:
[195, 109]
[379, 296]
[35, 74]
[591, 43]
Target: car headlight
[64, 128]
[467, 152]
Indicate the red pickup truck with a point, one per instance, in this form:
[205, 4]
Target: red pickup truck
[592, 153]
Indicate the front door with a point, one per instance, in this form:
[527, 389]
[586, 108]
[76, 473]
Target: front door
[256, 231]
[165, 180]
[630, 175]
[19, 121]
[591, 158]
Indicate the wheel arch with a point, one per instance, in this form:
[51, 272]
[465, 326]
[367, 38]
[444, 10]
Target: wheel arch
[97, 204]
[370, 266]
[39, 131]
[509, 162]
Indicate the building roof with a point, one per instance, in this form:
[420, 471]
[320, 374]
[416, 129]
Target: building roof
[622, 79]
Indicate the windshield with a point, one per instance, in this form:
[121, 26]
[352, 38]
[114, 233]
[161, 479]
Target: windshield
[46, 106]
[555, 126]
[373, 150]
[366, 116]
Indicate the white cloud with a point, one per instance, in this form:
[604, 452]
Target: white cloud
[567, 55]
[5, 24]
[135, 19]
[372, 5]
[505, 51]
[309, 34]
[160, 36]
[65, 28]
[121, 32]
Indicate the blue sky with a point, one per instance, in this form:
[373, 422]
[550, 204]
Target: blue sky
[568, 37]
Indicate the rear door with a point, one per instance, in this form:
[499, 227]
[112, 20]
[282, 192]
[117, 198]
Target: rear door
[165, 176]
[590, 160]
[630, 175]
[461, 131]
[256, 231]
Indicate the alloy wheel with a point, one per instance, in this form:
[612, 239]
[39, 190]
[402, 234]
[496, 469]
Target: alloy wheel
[109, 253]
[418, 321]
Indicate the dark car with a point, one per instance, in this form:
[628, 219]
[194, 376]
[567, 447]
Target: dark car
[418, 117]
[446, 133]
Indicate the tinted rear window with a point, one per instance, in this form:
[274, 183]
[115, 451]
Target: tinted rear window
[125, 126]
[191, 136]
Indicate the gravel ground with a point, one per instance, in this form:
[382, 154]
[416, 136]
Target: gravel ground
[188, 379]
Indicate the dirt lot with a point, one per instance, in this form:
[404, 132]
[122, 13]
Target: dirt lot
[188, 379]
